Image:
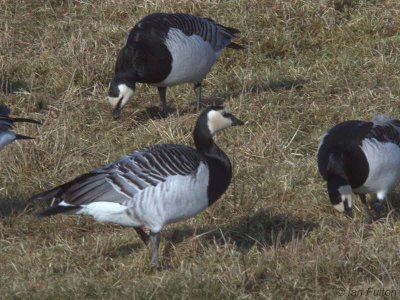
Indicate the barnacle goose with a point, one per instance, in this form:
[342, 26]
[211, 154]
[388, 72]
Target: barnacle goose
[153, 186]
[360, 157]
[6, 123]
[165, 49]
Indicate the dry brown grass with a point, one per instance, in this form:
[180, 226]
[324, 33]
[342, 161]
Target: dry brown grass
[274, 233]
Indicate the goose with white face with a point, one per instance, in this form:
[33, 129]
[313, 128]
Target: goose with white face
[168, 49]
[118, 96]
[221, 119]
[361, 157]
[153, 186]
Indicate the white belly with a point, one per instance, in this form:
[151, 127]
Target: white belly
[109, 212]
[192, 58]
[384, 167]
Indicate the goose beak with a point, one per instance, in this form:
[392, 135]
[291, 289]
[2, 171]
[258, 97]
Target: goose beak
[116, 113]
[348, 213]
[117, 109]
[236, 121]
[23, 137]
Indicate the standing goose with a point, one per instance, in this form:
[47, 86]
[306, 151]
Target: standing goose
[360, 157]
[165, 50]
[6, 123]
[154, 186]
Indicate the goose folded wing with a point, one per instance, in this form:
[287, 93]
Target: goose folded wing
[5, 121]
[120, 181]
[217, 35]
[386, 130]
[4, 110]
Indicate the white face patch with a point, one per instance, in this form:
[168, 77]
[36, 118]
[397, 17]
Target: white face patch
[113, 101]
[125, 92]
[339, 207]
[216, 121]
[346, 195]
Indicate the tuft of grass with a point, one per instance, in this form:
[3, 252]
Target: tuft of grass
[309, 65]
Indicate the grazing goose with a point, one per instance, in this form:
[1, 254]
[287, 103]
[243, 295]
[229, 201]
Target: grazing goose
[154, 186]
[6, 123]
[360, 157]
[166, 50]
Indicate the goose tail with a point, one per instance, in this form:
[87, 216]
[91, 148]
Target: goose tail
[235, 46]
[58, 209]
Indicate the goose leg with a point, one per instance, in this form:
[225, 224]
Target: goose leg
[197, 91]
[162, 91]
[143, 235]
[367, 212]
[377, 206]
[155, 243]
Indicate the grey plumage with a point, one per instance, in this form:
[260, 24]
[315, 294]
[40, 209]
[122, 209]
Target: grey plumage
[7, 123]
[121, 180]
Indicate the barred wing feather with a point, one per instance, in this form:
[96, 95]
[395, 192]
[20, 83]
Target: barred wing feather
[386, 129]
[217, 35]
[7, 122]
[120, 181]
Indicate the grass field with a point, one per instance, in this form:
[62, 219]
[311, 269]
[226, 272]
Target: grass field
[309, 64]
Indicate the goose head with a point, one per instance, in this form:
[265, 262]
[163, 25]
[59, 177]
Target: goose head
[121, 90]
[341, 195]
[219, 118]
[338, 186]
[210, 121]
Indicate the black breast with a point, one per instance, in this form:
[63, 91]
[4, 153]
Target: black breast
[220, 176]
[346, 138]
[146, 54]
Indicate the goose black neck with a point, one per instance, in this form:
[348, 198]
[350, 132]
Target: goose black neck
[129, 78]
[219, 165]
[203, 139]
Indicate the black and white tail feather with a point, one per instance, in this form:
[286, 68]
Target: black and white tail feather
[360, 157]
[168, 49]
[154, 186]
[7, 123]
[385, 129]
